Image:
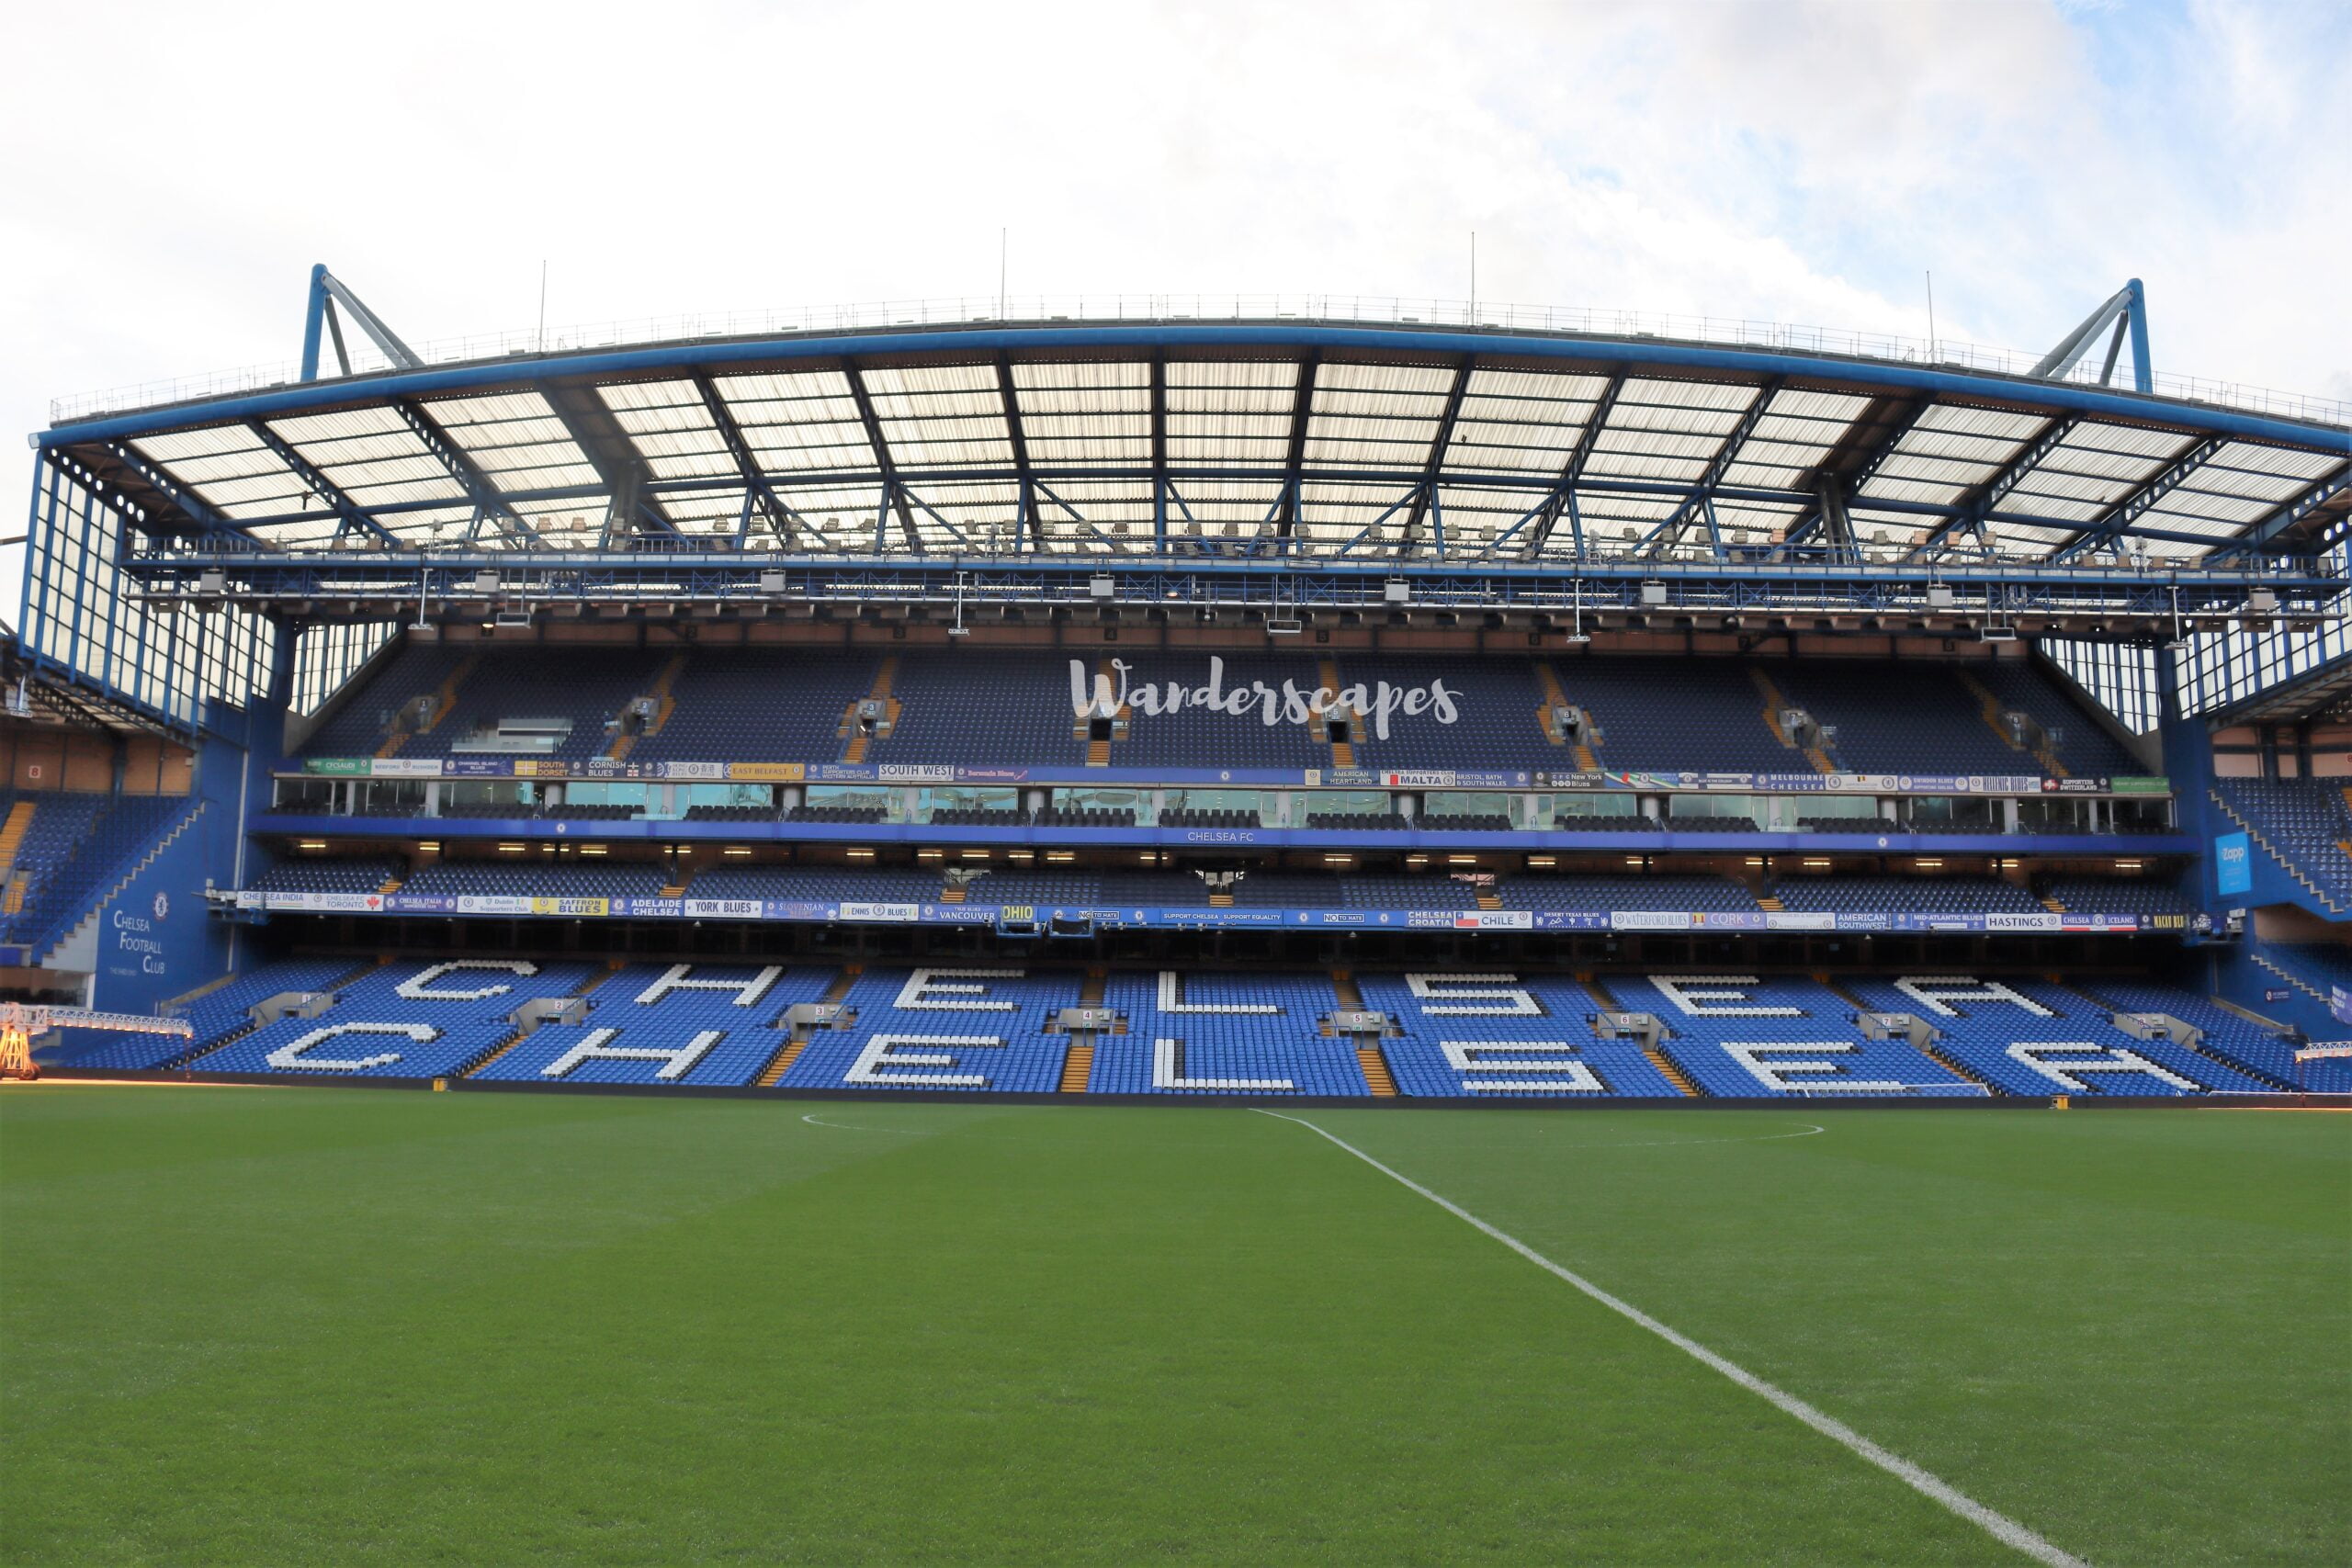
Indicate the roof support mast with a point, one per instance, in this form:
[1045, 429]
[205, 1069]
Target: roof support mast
[326, 289]
[2127, 310]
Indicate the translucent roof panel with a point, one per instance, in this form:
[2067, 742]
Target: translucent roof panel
[2095, 468]
[1086, 414]
[1230, 413]
[517, 441]
[1798, 430]
[1951, 450]
[231, 469]
[672, 428]
[804, 422]
[1521, 422]
[1666, 430]
[1095, 423]
[938, 418]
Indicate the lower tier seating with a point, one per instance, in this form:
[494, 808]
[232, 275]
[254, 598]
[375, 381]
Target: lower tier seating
[992, 1027]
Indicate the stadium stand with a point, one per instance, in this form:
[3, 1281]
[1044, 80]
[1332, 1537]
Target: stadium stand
[1005, 707]
[1944, 895]
[977, 1028]
[2305, 822]
[76, 849]
[740, 705]
[1740, 1035]
[1693, 893]
[2117, 894]
[1013, 708]
[327, 875]
[2030, 1037]
[404, 1019]
[545, 879]
[684, 1023]
[821, 884]
[1224, 1034]
[1501, 1034]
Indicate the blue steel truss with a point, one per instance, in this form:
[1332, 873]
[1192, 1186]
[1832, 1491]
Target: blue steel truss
[136, 524]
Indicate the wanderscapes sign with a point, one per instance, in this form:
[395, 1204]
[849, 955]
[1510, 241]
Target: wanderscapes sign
[1376, 703]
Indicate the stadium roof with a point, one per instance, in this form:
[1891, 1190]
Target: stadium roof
[1396, 441]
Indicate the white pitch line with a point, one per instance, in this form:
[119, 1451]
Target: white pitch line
[1999, 1526]
[901, 1132]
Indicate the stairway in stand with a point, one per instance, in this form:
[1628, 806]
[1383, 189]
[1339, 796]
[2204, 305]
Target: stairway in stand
[626, 741]
[444, 697]
[11, 835]
[1343, 753]
[789, 1052]
[855, 750]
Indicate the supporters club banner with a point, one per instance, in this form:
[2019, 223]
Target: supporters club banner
[604, 769]
[878, 912]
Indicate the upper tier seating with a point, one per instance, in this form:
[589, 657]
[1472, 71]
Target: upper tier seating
[2118, 895]
[1888, 716]
[1673, 714]
[587, 685]
[326, 876]
[2308, 820]
[1195, 737]
[816, 884]
[1497, 714]
[1943, 894]
[740, 705]
[977, 1028]
[1628, 893]
[988, 707]
[361, 724]
[541, 879]
[2085, 745]
[999, 708]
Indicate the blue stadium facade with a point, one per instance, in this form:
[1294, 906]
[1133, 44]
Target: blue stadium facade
[1278, 705]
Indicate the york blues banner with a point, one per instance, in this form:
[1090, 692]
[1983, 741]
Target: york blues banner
[606, 768]
[1039, 916]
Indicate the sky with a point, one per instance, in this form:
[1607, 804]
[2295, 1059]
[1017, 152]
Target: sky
[174, 170]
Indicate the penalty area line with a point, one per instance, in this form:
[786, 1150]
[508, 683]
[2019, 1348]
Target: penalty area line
[1997, 1525]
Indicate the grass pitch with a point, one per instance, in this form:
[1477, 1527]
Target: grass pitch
[309, 1325]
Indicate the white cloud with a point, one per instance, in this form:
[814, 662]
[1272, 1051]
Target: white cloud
[176, 170]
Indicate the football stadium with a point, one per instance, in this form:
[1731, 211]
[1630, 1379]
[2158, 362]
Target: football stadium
[1245, 930]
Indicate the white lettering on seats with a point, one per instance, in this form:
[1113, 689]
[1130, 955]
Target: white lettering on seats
[1167, 1072]
[1172, 999]
[1497, 1056]
[676, 978]
[1682, 991]
[289, 1056]
[925, 990]
[677, 1063]
[887, 1051]
[1775, 1076]
[2105, 1059]
[417, 987]
[1473, 996]
[1932, 991]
